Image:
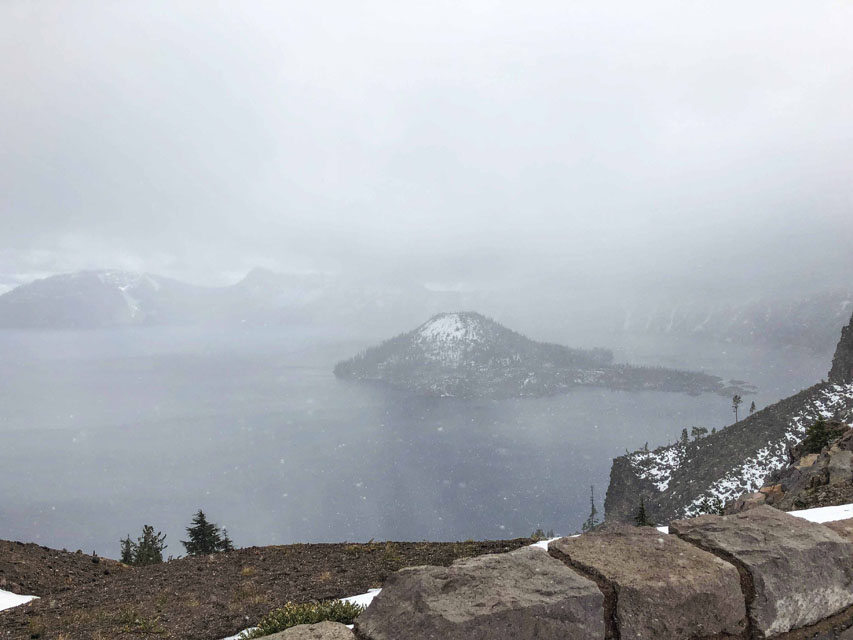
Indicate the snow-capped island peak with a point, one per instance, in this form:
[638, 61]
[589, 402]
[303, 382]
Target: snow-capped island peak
[466, 354]
[450, 327]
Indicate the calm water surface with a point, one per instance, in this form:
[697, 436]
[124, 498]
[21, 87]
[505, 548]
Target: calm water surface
[102, 432]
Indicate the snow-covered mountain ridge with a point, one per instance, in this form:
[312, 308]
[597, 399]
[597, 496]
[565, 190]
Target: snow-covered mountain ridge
[111, 298]
[809, 320]
[93, 299]
[88, 299]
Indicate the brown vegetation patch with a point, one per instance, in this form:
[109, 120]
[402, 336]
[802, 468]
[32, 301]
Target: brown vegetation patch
[201, 598]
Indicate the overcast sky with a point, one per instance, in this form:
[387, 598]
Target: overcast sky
[451, 142]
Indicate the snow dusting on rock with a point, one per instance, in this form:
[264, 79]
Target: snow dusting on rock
[449, 336]
[748, 477]
[658, 465]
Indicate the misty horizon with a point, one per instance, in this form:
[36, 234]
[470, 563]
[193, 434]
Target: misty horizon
[620, 147]
[425, 273]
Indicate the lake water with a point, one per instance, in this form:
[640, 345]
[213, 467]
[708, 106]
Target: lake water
[102, 432]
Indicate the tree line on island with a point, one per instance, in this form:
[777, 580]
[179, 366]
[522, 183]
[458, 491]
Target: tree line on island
[205, 538]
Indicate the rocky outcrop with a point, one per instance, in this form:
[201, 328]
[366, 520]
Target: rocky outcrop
[794, 573]
[521, 594]
[842, 362]
[759, 574]
[689, 479]
[322, 631]
[656, 585]
[843, 528]
[811, 479]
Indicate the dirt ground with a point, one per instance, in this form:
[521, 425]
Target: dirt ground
[202, 598]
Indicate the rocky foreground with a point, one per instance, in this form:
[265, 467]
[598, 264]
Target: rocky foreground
[201, 598]
[759, 574]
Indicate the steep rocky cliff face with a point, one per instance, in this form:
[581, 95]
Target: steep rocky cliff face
[688, 479]
[842, 362]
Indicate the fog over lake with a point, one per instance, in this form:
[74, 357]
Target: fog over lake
[103, 431]
[668, 180]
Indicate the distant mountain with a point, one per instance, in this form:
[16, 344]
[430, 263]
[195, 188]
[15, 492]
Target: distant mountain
[348, 300]
[683, 479]
[469, 355]
[92, 299]
[98, 299]
[811, 321]
[101, 299]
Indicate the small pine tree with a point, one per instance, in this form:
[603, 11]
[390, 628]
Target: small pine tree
[684, 437]
[149, 547]
[698, 432]
[128, 550]
[736, 402]
[818, 435]
[205, 537]
[227, 544]
[641, 519]
[752, 408]
[592, 520]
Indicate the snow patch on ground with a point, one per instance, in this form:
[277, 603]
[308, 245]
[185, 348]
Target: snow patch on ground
[9, 599]
[363, 599]
[748, 477]
[825, 514]
[543, 544]
[241, 635]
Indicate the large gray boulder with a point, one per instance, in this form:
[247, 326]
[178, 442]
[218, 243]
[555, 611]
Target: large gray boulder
[321, 631]
[844, 528]
[840, 466]
[794, 572]
[522, 594]
[657, 586]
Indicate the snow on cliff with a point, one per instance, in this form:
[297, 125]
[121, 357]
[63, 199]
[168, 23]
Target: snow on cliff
[749, 476]
[658, 466]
